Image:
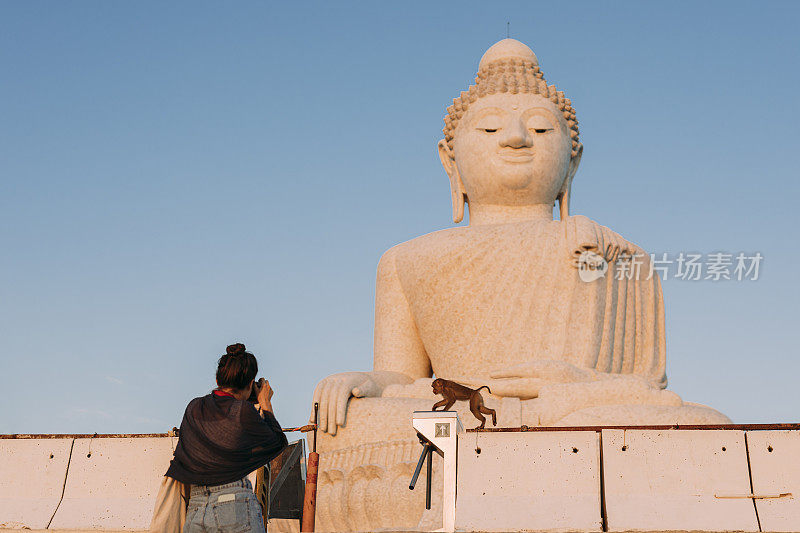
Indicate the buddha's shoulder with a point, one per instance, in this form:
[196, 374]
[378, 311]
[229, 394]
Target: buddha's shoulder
[580, 224]
[454, 242]
[427, 246]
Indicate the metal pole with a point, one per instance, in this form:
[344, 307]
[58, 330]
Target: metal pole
[429, 478]
[310, 497]
[419, 467]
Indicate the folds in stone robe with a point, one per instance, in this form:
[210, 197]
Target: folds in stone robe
[510, 293]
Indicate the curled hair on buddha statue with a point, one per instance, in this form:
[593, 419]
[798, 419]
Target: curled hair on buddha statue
[511, 67]
[237, 368]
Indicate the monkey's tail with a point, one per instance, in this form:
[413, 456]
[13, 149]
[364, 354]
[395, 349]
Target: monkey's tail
[484, 387]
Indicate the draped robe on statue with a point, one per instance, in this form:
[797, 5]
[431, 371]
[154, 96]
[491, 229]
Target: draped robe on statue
[510, 293]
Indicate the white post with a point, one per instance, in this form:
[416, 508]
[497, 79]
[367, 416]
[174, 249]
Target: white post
[441, 428]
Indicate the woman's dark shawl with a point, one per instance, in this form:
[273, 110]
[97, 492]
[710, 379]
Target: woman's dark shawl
[222, 440]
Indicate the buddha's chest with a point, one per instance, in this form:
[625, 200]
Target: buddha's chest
[500, 291]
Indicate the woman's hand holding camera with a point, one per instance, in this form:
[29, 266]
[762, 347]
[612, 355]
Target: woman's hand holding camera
[264, 394]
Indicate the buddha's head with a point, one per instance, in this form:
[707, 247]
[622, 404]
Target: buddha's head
[510, 140]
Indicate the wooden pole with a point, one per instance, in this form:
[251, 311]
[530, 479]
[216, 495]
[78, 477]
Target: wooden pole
[310, 498]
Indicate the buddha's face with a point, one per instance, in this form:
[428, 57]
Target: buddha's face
[512, 149]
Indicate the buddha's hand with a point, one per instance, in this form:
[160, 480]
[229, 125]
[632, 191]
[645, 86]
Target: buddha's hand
[584, 235]
[333, 393]
[512, 387]
[526, 379]
[550, 370]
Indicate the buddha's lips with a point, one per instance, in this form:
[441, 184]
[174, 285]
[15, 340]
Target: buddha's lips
[516, 155]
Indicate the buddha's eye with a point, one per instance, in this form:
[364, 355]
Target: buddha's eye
[540, 124]
[489, 124]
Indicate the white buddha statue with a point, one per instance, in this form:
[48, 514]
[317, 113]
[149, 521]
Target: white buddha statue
[500, 302]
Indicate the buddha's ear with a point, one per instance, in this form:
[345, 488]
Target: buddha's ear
[566, 188]
[457, 192]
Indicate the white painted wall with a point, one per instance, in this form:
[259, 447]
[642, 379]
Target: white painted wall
[775, 469]
[672, 480]
[661, 481]
[32, 475]
[113, 483]
[529, 481]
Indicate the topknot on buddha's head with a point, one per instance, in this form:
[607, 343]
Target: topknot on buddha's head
[508, 49]
[509, 66]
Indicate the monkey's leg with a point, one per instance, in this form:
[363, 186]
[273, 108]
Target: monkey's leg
[485, 410]
[476, 410]
[476, 406]
[439, 404]
[449, 405]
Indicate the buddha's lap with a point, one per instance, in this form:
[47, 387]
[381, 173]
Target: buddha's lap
[383, 420]
[633, 415]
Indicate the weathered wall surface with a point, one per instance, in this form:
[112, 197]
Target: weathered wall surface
[32, 476]
[113, 483]
[775, 466]
[86, 484]
[529, 481]
[623, 480]
[652, 480]
[682, 480]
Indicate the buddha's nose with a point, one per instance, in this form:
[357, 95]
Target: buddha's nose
[516, 136]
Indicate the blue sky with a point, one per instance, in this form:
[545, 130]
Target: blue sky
[178, 176]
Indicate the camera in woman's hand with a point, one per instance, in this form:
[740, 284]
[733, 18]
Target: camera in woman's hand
[257, 384]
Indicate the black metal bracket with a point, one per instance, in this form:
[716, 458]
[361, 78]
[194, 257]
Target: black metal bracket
[427, 453]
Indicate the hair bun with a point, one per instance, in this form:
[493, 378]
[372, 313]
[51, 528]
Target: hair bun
[235, 349]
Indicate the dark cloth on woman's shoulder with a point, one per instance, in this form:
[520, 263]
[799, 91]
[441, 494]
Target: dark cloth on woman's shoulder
[222, 440]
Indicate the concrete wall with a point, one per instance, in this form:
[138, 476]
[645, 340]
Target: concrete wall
[32, 476]
[529, 481]
[647, 480]
[652, 480]
[113, 483]
[677, 480]
[106, 483]
[775, 469]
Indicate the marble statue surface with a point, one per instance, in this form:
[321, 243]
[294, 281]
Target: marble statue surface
[498, 302]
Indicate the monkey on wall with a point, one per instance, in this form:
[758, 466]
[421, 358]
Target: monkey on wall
[452, 391]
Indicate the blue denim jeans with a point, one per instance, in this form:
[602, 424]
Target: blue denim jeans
[229, 508]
